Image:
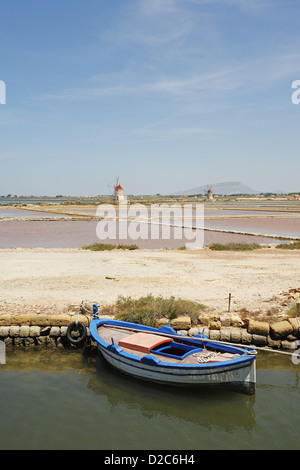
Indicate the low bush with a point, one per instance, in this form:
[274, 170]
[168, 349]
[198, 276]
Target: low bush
[289, 246]
[234, 246]
[149, 309]
[108, 247]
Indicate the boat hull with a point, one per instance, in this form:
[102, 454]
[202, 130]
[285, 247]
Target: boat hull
[235, 377]
[239, 374]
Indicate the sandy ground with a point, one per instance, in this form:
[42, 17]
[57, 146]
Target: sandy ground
[42, 280]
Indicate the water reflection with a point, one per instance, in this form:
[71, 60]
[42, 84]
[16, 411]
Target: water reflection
[75, 400]
[189, 404]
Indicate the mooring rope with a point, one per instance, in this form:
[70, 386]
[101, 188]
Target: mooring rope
[204, 357]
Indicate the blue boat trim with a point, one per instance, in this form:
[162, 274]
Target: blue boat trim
[198, 368]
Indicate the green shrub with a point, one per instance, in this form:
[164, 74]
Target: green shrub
[289, 246]
[149, 309]
[127, 247]
[234, 246]
[293, 311]
[109, 247]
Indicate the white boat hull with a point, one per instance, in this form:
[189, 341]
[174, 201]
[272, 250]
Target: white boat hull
[168, 360]
[242, 377]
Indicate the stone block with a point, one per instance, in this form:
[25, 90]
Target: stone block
[21, 319]
[61, 320]
[4, 331]
[259, 340]
[193, 331]
[84, 319]
[24, 331]
[55, 331]
[5, 320]
[236, 321]
[34, 331]
[29, 342]
[14, 331]
[181, 323]
[246, 338]
[236, 335]
[162, 322]
[225, 320]
[273, 343]
[225, 335]
[207, 318]
[260, 328]
[289, 345]
[40, 320]
[9, 342]
[215, 325]
[41, 340]
[214, 335]
[280, 330]
[182, 332]
[204, 331]
[295, 325]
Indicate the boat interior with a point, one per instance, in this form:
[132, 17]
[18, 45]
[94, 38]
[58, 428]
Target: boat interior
[162, 347]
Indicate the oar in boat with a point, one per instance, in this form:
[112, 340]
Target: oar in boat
[202, 340]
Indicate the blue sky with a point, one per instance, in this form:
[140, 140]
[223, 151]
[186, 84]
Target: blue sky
[166, 94]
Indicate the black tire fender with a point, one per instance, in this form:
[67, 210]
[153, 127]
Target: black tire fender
[77, 327]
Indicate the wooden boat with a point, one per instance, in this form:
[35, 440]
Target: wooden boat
[163, 356]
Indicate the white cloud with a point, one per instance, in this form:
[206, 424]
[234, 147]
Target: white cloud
[177, 132]
[153, 23]
[157, 7]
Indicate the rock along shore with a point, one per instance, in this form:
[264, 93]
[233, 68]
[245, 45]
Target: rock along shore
[42, 331]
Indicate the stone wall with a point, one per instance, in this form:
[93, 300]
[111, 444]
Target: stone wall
[31, 331]
[37, 330]
[233, 329]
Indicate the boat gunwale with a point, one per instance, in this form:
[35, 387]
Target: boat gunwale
[239, 361]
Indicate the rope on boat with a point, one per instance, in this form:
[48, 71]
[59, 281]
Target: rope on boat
[204, 357]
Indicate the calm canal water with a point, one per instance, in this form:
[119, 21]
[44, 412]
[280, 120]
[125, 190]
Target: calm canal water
[68, 400]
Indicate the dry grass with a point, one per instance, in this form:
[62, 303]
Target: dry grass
[149, 309]
[109, 247]
[270, 315]
[289, 246]
[234, 246]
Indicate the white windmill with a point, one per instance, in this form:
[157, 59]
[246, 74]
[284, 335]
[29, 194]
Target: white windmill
[118, 192]
[210, 196]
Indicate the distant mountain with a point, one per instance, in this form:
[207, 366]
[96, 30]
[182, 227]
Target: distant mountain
[224, 189]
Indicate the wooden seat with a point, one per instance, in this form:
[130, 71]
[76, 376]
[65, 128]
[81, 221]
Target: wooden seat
[143, 342]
